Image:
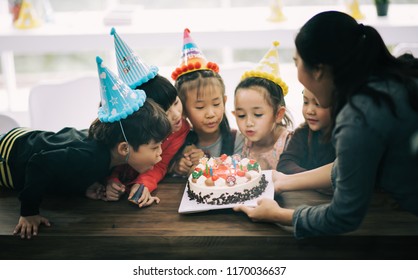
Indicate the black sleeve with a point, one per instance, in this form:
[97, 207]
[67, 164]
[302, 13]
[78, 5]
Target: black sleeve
[292, 159]
[57, 171]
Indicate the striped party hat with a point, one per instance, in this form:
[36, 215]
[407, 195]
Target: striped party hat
[192, 58]
[268, 68]
[118, 100]
[132, 70]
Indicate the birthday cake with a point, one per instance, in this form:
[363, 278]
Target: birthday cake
[226, 180]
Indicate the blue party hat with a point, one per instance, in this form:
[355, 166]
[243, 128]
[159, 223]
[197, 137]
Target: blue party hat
[132, 70]
[118, 100]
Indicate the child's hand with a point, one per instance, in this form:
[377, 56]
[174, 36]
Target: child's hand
[146, 199]
[194, 155]
[28, 226]
[183, 166]
[189, 161]
[96, 191]
[114, 191]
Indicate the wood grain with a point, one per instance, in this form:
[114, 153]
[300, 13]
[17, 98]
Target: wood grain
[87, 229]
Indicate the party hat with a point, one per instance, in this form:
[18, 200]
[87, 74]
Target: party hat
[28, 17]
[268, 68]
[192, 58]
[276, 13]
[118, 100]
[132, 70]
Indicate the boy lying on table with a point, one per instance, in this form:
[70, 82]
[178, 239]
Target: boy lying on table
[71, 161]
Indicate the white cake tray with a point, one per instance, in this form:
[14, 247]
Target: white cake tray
[188, 206]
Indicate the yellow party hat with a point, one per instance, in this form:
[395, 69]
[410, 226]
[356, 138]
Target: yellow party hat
[276, 13]
[268, 68]
[27, 17]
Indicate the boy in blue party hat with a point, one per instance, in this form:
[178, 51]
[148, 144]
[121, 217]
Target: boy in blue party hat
[129, 130]
[143, 77]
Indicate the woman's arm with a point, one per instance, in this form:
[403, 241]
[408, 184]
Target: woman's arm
[317, 178]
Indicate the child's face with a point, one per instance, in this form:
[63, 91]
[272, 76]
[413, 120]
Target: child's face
[316, 117]
[175, 115]
[205, 110]
[145, 157]
[319, 81]
[255, 117]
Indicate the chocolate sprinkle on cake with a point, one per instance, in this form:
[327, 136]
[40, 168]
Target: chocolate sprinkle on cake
[229, 198]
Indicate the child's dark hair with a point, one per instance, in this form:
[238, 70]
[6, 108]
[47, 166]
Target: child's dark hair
[161, 90]
[196, 81]
[273, 94]
[148, 123]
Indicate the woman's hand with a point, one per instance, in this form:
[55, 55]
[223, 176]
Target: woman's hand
[279, 181]
[28, 226]
[267, 210]
[146, 199]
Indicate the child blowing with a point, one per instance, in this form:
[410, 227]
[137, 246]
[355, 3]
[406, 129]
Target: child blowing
[138, 75]
[260, 111]
[129, 130]
[202, 92]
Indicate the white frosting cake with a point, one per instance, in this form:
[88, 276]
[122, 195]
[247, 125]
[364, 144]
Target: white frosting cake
[226, 180]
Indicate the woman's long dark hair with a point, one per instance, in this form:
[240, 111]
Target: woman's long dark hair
[357, 55]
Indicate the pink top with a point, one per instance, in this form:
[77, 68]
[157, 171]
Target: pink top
[269, 159]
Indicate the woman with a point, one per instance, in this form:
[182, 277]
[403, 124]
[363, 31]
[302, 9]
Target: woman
[374, 98]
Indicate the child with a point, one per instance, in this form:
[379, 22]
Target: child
[260, 112]
[134, 72]
[310, 146]
[202, 92]
[128, 130]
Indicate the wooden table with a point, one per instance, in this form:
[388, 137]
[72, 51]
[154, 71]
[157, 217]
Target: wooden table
[87, 229]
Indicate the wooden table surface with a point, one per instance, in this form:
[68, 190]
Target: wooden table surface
[88, 229]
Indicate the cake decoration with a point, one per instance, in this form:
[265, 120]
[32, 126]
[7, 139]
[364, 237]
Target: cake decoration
[225, 180]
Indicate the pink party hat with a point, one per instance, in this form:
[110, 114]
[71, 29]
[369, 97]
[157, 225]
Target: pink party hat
[268, 68]
[131, 68]
[118, 100]
[192, 58]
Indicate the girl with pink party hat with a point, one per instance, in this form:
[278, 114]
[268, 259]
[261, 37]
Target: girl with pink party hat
[202, 92]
